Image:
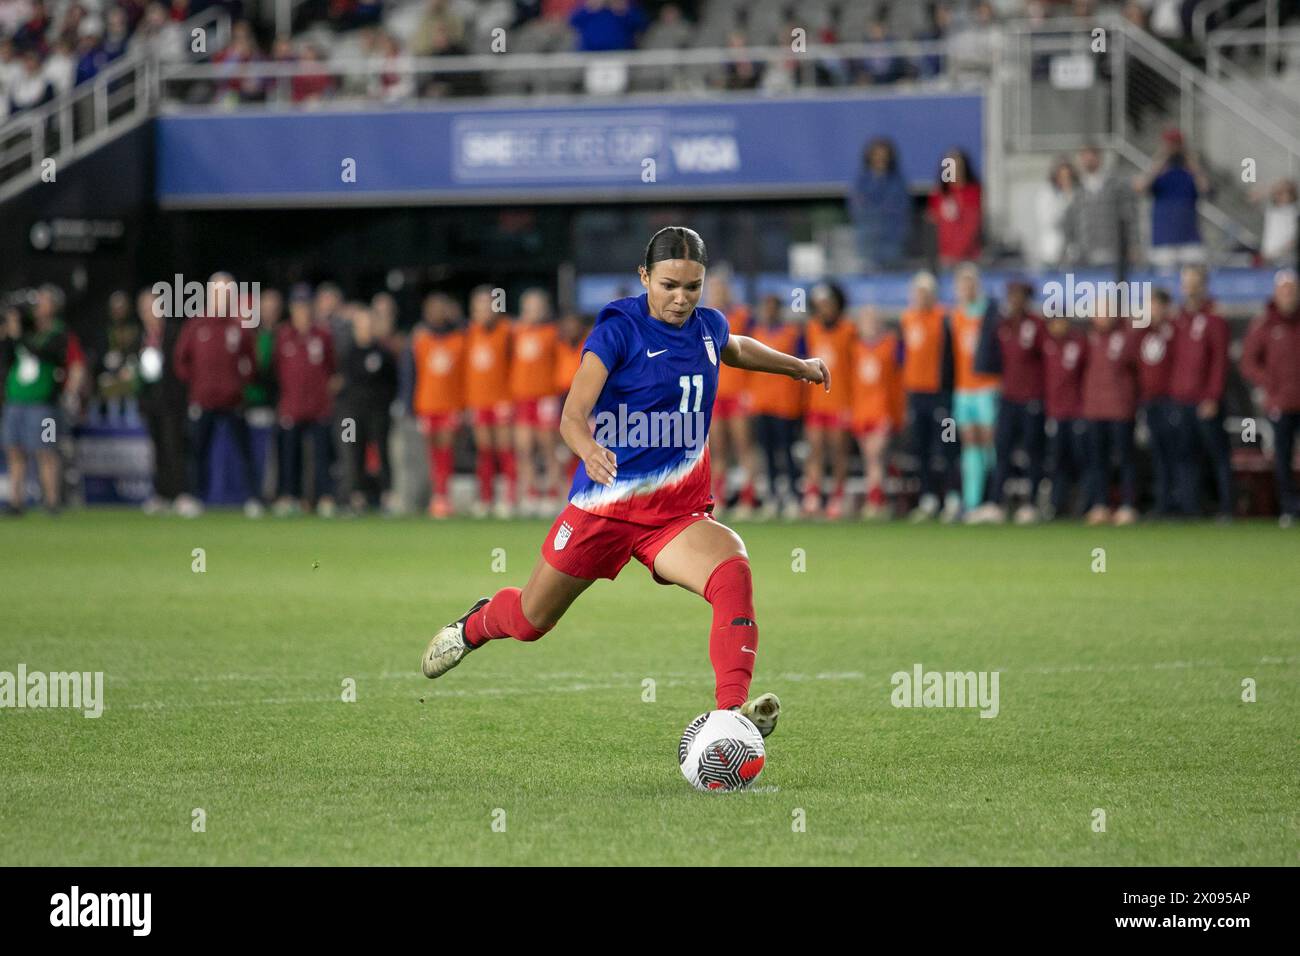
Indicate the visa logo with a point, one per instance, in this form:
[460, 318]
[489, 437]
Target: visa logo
[706, 154]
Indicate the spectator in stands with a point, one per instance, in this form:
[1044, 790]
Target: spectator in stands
[439, 30]
[351, 14]
[30, 34]
[312, 86]
[882, 68]
[34, 349]
[1110, 394]
[74, 14]
[13, 14]
[117, 35]
[1270, 361]
[242, 50]
[1101, 212]
[1197, 384]
[1155, 369]
[396, 82]
[214, 358]
[669, 31]
[933, 64]
[91, 57]
[606, 25]
[1277, 244]
[1175, 183]
[33, 89]
[61, 67]
[1064, 352]
[158, 36]
[955, 208]
[1051, 211]
[306, 372]
[881, 207]
[973, 42]
[448, 84]
[740, 74]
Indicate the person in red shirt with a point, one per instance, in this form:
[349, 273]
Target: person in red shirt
[1156, 364]
[1064, 355]
[1270, 360]
[955, 208]
[214, 358]
[1196, 385]
[1012, 346]
[829, 336]
[306, 371]
[730, 445]
[1110, 384]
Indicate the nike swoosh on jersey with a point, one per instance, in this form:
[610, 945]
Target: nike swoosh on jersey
[649, 354]
[747, 650]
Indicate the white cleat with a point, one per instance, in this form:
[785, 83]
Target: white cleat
[448, 647]
[762, 712]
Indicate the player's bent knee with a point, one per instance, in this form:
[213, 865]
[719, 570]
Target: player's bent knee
[730, 589]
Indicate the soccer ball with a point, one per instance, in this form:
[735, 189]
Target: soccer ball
[721, 750]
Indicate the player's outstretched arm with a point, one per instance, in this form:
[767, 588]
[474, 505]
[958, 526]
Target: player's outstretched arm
[588, 381]
[751, 354]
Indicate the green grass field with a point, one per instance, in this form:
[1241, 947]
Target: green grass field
[1120, 691]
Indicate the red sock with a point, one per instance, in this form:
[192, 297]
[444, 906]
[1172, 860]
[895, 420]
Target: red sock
[747, 496]
[503, 616]
[506, 461]
[442, 466]
[483, 468]
[876, 495]
[733, 640]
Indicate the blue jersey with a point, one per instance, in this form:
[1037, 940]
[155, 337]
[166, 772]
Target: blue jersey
[654, 411]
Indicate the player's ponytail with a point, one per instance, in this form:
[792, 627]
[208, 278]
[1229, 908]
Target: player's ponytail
[675, 242]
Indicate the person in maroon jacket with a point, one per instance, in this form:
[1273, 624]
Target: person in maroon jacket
[1110, 392]
[1270, 361]
[1064, 355]
[1196, 386]
[306, 371]
[214, 358]
[1154, 370]
[1011, 345]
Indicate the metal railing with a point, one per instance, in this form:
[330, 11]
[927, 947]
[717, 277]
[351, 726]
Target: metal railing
[1150, 87]
[85, 117]
[1248, 57]
[672, 73]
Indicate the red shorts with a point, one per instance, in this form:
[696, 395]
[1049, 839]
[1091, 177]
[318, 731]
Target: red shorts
[541, 412]
[875, 426]
[439, 422]
[725, 409]
[831, 420]
[498, 414]
[591, 546]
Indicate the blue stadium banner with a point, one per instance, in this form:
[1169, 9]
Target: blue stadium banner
[727, 147]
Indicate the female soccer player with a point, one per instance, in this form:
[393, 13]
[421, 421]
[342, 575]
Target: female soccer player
[648, 378]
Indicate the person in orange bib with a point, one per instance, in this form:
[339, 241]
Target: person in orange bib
[830, 337]
[537, 406]
[777, 406]
[730, 444]
[487, 395]
[571, 333]
[877, 403]
[438, 401]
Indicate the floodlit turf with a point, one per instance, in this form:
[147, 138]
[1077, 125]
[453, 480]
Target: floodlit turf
[1119, 691]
